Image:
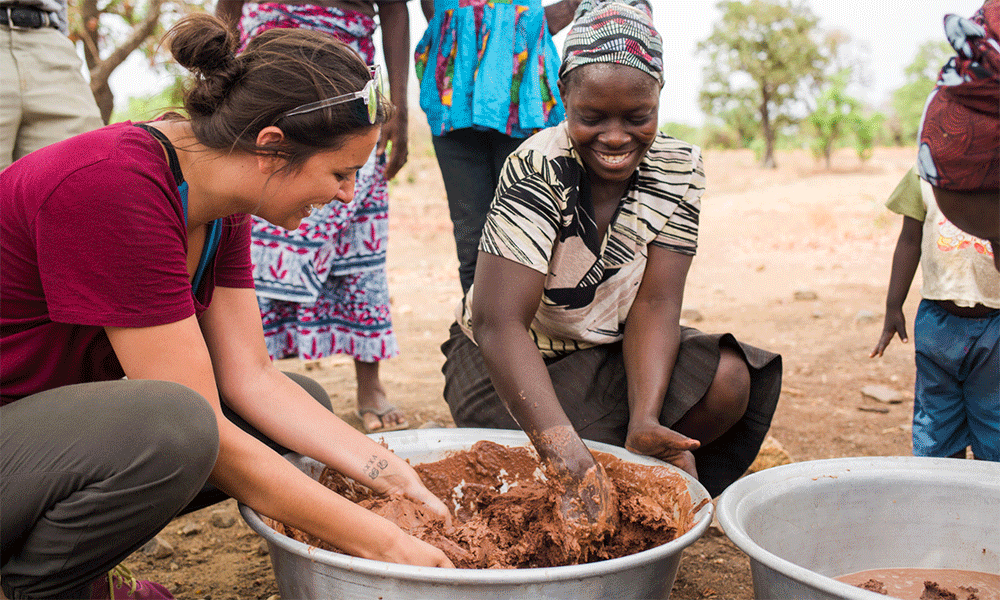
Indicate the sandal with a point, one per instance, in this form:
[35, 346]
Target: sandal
[405, 424]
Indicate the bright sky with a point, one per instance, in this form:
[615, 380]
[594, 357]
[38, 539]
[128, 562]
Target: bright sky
[891, 30]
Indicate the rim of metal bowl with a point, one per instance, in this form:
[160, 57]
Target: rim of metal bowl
[762, 485]
[703, 519]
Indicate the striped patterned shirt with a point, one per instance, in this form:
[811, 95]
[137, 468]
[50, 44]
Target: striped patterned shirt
[542, 217]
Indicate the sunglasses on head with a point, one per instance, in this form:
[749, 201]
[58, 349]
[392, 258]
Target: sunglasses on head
[369, 94]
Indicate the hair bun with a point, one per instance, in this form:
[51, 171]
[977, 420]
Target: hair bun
[202, 44]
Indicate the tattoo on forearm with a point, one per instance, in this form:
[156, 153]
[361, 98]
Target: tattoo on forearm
[375, 465]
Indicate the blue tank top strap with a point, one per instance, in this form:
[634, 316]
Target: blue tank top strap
[212, 238]
[214, 233]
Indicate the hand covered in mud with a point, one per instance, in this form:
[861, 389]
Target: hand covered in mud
[421, 494]
[408, 550]
[589, 504]
[589, 501]
[665, 444]
[398, 477]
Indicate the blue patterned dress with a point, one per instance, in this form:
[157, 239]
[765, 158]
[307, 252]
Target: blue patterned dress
[489, 64]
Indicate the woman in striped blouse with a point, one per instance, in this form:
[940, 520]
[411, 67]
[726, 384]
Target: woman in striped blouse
[571, 329]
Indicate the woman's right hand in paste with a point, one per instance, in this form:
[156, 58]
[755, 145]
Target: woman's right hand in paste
[396, 477]
[421, 494]
[665, 444]
[589, 502]
[408, 550]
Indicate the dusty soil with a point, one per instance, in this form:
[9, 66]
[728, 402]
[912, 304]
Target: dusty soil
[795, 260]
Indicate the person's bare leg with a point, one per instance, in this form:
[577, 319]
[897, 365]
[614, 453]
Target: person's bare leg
[724, 403]
[372, 399]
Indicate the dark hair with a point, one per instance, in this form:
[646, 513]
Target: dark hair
[233, 97]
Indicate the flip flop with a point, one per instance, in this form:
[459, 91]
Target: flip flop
[405, 424]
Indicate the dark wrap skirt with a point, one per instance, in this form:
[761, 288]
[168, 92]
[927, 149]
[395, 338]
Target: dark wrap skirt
[590, 385]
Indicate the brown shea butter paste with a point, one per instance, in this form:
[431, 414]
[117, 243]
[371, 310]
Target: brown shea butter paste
[505, 512]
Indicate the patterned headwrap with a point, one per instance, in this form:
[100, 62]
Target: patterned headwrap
[960, 134]
[618, 32]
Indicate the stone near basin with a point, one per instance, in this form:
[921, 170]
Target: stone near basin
[771, 454]
[883, 394]
[158, 548]
[222, 519]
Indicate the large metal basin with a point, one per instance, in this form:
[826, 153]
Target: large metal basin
[307, 572]
[805, 523]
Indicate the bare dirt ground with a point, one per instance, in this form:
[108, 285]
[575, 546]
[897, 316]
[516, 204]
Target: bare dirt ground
[795, 260]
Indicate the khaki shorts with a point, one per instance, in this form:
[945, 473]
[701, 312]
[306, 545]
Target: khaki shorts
[44, 98]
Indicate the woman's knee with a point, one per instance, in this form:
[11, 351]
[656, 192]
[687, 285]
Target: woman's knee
[729, 393]
[169, 423]
[134, 442]
[313, 387]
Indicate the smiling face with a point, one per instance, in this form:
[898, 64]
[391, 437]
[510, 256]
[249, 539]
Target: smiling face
[612, 118]
[323, 178]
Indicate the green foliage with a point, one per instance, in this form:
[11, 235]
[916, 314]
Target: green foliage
[839, 116]
[682, 131]
[715, 134]
[927, 62]
[835, 113]
[908, 104]
[148, 107]
[866, 131]
[908, 100]
[764, 56]
[158, 57]
[721, 136]
[743, 122]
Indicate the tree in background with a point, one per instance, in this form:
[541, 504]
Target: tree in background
[833, 117]
[908, 100]
[741, 118]
[112, 29]
[762, 55]
[866, 133]
[838, 115]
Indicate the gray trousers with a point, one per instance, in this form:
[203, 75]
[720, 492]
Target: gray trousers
[91, 472]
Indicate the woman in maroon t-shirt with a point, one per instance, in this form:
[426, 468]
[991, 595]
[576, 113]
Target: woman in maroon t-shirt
[125, 253]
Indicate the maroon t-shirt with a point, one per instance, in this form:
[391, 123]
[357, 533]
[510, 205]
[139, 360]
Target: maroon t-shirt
[93, 234]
